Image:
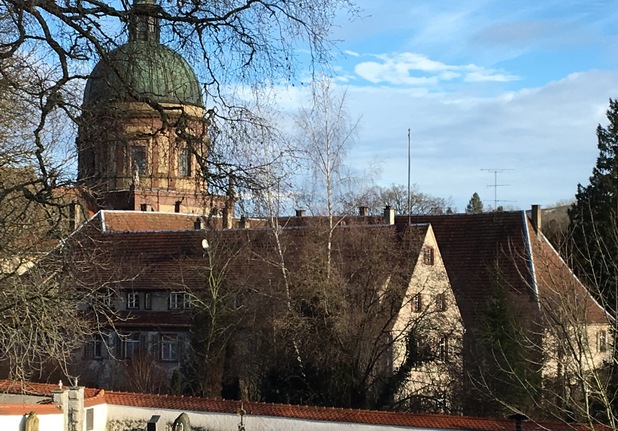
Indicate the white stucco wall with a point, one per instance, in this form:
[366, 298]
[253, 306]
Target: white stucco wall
[226, 422]
[53, 422]
[434, 378]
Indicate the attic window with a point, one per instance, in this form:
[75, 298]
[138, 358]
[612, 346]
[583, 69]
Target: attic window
[441, 302]
[428, 255]
[602, 341]
[417, 303]
[133, 300]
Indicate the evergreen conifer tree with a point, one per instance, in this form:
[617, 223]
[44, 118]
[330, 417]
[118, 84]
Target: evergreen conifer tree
[475, 205]
[593, 216]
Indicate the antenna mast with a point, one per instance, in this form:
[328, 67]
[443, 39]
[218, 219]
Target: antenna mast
[409, 162]
[496, 185]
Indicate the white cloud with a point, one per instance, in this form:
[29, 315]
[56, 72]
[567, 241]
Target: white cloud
[489, 75]
[546, 135]
[416, 69]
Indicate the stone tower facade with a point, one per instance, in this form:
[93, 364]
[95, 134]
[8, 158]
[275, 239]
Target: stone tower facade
[142, 143]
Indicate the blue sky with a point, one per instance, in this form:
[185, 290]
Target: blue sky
[482, 84]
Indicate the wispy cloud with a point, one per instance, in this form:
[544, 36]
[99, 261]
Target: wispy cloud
[416, 69]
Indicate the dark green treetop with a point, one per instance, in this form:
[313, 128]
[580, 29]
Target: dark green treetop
[475, 205]
[594, 214]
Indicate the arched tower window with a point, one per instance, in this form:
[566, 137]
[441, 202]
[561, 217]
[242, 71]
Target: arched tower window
[184, 162]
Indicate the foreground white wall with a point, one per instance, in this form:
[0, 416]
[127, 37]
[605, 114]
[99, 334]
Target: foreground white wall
[121, 416]
[51, 422]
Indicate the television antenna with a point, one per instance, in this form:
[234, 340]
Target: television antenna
[495, 185]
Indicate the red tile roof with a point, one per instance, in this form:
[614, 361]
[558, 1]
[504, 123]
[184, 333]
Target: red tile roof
[188, 404]
[164, 251]
[501, 247]
[134, 221]
[480, 250]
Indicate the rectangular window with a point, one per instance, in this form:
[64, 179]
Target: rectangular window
[133, 300]
[89, 419]
[93, 349]
[174, 301]
[602, 341]
[441, 302]
[428, 255]
[417, 303]
[184, 162]
[147, 301]
[186, 301]
[138, 160]
[178, 301]
[169, 347]
[443, 349]
[129, 345]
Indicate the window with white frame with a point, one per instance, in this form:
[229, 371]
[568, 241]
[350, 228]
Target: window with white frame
[132, 300]
[602, 341]
[129, 345]
[179, 301]
[186, 301]
[174, 301]
[169, 347]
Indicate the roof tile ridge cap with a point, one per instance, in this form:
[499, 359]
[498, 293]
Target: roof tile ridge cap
[349, 409]
[100, 393]
[147, 394]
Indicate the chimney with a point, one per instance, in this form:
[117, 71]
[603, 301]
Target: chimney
[363, 211]
[226, 215]
[74, 216]
[198, 223]
[389, 215]
[536, 218]
[300, 213]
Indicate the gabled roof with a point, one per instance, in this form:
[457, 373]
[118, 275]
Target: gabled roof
[308, 413]
[147, 250]
[561, 290]
[480, 250]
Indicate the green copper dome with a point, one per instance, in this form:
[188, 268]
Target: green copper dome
[143, 69]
